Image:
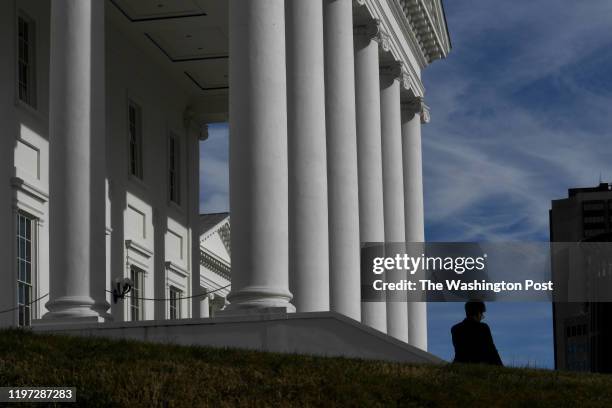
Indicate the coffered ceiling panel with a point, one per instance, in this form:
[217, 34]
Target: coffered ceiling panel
[210, 74]
[190, 42]
[146, 9]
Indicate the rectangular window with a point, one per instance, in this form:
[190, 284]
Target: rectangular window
[136, 309]
[25, 266]
[593, 205]
[26, 70]
[595, 218]
[135, 134]
[174, 178]
[175, 303]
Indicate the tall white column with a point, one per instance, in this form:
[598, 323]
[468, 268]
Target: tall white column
[393, 186]
[413, 112]
[258, 156]
[308, 226]
[77, 162]
[344, 263]
[369, 155]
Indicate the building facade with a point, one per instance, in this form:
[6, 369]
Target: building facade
[104, 104]
[582, 332]
[215, 263]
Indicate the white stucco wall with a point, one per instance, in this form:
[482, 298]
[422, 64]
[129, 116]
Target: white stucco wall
[23, 153]
[140, 209]
[166, 230]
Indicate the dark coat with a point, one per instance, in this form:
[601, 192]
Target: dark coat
[474, 344]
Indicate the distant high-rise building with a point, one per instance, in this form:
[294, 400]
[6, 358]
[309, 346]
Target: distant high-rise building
[582, 330]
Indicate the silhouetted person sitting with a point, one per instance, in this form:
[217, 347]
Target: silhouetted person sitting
[472, 339]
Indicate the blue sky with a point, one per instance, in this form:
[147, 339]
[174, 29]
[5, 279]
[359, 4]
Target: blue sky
[521, 111]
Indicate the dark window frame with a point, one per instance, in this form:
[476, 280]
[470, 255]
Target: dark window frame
[26, 267]
[174, 169]
[26, 59]
[174, 305]
[135, 145]
[136, 305]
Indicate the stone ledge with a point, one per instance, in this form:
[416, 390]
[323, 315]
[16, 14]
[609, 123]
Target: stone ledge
[316, 333]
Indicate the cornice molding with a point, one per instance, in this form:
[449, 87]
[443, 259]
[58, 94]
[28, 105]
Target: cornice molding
[30, 189]
[217, 288]
[215, 264]
[140, 249]
[397, 39]
[427, 31]
[177, 268]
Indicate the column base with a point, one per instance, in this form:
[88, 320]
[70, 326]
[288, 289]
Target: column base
[252, 311]
[74, 309]
[374, 314]
[62, 321]
[258, 301]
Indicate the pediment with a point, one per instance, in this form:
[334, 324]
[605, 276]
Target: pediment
[215, 235]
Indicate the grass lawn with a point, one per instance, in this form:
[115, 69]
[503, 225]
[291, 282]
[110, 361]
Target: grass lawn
[122, 373]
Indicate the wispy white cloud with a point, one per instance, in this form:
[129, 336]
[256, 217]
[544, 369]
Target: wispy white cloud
[521, 111]
[515, 120]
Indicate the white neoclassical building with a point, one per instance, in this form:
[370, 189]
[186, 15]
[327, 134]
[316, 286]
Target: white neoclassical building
[104, 104]
[215, 263]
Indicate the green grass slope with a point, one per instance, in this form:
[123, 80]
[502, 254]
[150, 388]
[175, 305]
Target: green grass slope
[128, 373]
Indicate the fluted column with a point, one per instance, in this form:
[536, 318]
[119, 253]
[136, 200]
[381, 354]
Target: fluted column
[308, 227]
[344, 263]
[393, 186]
[413, 112]
[258, 157]
[77, 162]
[369, 155]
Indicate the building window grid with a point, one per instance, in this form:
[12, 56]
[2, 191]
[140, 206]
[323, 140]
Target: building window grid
[25, 267]
[173, 169]
[596, 217]
[25, 58]
[136, 305]
[174, 306]
[135, 133]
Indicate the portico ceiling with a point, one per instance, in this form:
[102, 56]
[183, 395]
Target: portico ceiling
[190, 35]
[190, 38]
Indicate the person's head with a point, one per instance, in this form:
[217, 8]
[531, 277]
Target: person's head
[475, 310]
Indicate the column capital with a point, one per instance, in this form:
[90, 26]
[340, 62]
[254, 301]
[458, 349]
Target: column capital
[391, 70]
[373, 30]
[415, 106]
